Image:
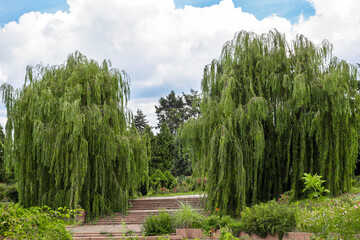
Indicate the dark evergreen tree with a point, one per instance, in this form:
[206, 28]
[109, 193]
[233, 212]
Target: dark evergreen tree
[140, 121]
[170, 111]
[162, 152]
[175, 110]
[272, 110]
[68, 140]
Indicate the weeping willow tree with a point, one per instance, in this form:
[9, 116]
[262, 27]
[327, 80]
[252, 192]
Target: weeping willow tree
[68, 140]
[271, 111]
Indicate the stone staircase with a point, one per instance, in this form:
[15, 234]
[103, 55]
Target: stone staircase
[117, 226]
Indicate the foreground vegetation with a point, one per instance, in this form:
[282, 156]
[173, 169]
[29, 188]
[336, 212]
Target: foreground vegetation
[35, 222]
[325, 218]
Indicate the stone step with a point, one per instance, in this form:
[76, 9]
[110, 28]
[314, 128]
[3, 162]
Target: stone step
[134, 217]
[173, 237]
[105, 234]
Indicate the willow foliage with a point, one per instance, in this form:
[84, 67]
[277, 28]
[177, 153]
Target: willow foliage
[68, 140]
[271, 111]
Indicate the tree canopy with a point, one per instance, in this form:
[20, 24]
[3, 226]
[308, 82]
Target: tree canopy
[175, 110]
[68, 140]
[272, 110]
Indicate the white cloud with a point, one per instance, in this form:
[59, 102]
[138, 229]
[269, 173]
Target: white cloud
[159, 46]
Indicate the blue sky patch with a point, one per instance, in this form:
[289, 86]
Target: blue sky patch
[289, 9]
[11, 10]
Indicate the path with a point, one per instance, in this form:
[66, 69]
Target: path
[115, 226]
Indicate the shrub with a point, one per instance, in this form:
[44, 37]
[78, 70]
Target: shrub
[226, 234]
[34, 222]
[157, 180]
[211, 222]
[8, 193]
[188, 217]
[268, 218]
[170, 180]
[164, 180]
[235, 227]
[216, 222]
[157, 225]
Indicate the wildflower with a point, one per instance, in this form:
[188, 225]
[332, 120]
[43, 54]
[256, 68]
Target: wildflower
[217, 209]
[355, 206]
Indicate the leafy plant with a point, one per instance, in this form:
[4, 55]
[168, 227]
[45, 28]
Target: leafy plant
[157, 225]
[236, 227]
[268, 218]
[313, 183]
[188, 217]
[215, 222]
[34, 223]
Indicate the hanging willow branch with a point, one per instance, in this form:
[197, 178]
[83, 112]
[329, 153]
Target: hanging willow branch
[271, 111]
[67, 137]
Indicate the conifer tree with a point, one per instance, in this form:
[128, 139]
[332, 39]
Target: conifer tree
[272, 110]
[68, 140]
[140, 121]
[162, 150]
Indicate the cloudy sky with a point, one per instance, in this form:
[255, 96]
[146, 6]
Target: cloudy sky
[162, 44]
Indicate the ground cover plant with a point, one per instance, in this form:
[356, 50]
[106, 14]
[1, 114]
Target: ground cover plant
[272, 110]
[337, 218]
[35, 222]
[67, 137]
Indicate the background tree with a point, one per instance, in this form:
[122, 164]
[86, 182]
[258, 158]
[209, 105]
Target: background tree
[140, 121]
[67, 137]
[170, 111]
[271, 111]
[175, 110]
[162, 152]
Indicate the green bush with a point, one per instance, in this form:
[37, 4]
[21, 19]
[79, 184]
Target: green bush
[170, 180]
[211, 222]
[158, 225]
[227, 234]
[8, 193]
[157, 180]
[34, 222]
[216, 222]
[188, 217]
[235, 227]
[269, 218]
[160, 179]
